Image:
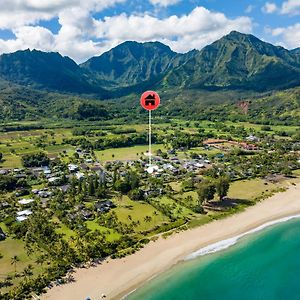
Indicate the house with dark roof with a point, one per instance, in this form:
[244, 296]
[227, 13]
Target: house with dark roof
[104, 206]
[86, 214]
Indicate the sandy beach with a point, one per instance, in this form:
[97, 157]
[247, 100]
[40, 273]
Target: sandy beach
[116, 278]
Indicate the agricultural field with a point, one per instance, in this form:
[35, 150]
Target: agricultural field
[15, 144]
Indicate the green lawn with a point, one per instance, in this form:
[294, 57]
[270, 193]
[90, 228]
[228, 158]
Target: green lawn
[66, 231]
[11, 161]
[110, 235]
[176, 186]
[258, 126]
[138, 211]
[202, 151]
[297, 172]
[250, 189]
[193, 194]
[129, 153]
[176, 209]
[9, 248]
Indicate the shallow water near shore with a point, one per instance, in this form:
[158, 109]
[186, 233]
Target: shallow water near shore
[263, 265]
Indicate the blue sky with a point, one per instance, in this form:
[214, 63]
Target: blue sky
[84, 28]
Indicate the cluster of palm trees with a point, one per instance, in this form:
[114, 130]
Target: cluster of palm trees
[28, 270]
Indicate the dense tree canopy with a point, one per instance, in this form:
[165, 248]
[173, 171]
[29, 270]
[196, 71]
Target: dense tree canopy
[35, 160]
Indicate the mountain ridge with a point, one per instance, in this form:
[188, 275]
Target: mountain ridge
[47, 70]
[133, 62]
[236, 61]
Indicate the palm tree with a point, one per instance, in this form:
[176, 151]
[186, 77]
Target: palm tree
[28, 271]
[40, 260]
[147, 219]
[13, 261]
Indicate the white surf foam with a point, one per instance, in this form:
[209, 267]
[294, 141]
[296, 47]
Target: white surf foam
[224, 244]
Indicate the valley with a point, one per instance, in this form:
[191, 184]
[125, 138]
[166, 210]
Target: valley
[74, 190]
[88, 181]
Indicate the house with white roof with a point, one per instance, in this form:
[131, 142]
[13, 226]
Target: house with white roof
[25, 201]
[72, 167]
[79, 175]
[23, 215]
[25, 212]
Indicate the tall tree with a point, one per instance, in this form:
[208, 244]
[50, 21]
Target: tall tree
[222, 186]
[28, 272]
[13, 261]
[91, 187]
[206, 191]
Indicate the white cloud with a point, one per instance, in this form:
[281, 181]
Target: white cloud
[269, 8]
[164, 3]
[15, 13]
[35, 37]
[184, 33]
[289, 35]
[82, 36]
[291, 7]
[249, 9]
[32, 37]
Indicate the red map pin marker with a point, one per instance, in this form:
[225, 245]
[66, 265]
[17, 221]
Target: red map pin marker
[150, 100]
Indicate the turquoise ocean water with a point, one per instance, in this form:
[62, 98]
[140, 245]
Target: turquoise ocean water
[263, 265]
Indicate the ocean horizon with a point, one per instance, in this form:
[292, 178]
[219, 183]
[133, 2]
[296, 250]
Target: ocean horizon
[262, 263]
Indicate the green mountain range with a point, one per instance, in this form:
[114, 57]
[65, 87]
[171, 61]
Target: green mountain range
[235, 61]
[42, 70]
[237, 65]
[238, 61]
[132, 63]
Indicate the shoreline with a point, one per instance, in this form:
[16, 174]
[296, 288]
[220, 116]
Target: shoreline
[117, 278]
[225, 244]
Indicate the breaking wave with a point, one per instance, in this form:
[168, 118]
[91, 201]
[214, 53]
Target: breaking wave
[224, 244]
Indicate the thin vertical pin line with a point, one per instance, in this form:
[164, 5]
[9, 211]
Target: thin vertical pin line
[150, 153]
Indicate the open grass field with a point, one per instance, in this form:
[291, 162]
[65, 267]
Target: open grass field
[138, 211]
[128, 153]
[176, 186]
[93, 225]
[14, 144]
[11, 161]
[9, 248]
[257, 127]
[296, 172]
[65, 231]
[201, 151]
[242, 190]
[251, 189]
[175, 208]
[192, 194]
[110, 234]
